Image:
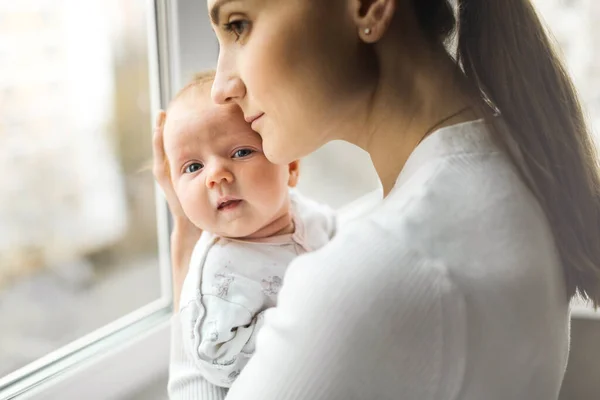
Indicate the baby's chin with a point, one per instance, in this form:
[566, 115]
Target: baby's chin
[238, 231]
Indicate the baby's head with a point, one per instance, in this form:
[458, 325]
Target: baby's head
[223, 181]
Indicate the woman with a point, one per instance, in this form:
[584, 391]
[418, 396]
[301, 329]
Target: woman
[457, 285]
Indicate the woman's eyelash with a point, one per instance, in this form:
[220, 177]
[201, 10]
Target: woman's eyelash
[237, 27]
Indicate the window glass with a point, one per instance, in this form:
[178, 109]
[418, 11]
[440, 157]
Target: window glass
[574, 25]
[78, 245]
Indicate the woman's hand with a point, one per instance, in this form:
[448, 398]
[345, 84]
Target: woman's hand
[185, 234]
[161, 171]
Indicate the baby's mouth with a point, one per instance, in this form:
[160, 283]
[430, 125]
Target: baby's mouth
[228, 204]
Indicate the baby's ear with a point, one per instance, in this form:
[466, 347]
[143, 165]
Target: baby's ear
[294, 169]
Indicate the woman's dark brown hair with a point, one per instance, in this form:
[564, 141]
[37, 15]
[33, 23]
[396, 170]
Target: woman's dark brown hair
[505, 52]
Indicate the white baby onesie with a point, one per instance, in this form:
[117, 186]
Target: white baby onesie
[231, 283]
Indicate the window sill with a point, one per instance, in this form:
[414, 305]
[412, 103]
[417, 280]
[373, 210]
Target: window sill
[113, 368]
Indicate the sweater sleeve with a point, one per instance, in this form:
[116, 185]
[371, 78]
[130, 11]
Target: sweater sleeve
[185, 381]
[361, 318]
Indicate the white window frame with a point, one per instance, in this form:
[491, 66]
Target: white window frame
[130, 353]
[579, 311]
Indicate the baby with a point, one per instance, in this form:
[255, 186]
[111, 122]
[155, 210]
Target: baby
[253, 221]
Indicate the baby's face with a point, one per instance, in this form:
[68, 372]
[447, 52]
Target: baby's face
[219, 172]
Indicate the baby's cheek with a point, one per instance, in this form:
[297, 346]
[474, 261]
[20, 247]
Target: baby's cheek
[196, 208]
[271, 182]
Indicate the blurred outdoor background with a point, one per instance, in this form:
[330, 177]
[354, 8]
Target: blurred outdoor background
[78, 242]
[78, 236]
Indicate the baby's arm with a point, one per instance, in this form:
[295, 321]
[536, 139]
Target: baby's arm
[224, 341]
[185, 381]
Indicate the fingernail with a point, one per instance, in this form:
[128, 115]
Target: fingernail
[160, 118]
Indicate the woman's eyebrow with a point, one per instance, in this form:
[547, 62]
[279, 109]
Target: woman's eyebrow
[216, 8]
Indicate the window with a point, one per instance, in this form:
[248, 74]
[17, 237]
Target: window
[80, 235]
[574, 25]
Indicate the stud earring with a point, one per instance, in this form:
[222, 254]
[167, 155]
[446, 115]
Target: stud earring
[367, 31]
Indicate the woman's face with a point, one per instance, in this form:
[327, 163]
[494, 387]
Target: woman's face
[293, 66]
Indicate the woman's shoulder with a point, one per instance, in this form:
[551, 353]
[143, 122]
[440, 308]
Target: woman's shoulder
[368, 256]
[460, 185]
[369, 297]
[462, 208]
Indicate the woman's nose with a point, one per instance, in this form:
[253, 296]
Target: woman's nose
[227, 87]
[218, 175]
[225, 91]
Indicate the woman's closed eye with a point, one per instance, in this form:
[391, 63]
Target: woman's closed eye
[193, 167]
[243, 153]
[238, 27]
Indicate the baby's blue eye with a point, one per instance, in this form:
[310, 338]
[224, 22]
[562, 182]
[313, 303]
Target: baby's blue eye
[193, 167]
[241, 153]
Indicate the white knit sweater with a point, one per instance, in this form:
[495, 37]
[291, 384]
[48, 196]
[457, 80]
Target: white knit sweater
[450, 288]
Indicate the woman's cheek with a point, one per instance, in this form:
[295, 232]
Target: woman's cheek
[261, 68]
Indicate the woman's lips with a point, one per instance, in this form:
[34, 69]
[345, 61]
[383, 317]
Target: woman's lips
[254, 117]
[254, 123]
[253, 120]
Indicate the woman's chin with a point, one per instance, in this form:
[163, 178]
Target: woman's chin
[282, 153]
[278, 156]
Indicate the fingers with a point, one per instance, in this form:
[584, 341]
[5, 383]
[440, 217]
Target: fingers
[158, 134]
[160, 119]
[158, 146]
[161, 168]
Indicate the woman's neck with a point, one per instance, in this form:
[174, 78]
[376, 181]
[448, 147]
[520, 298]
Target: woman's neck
[403, 111]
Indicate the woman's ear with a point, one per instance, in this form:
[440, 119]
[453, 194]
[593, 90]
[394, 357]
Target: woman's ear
[294, 170]
[372, 18]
